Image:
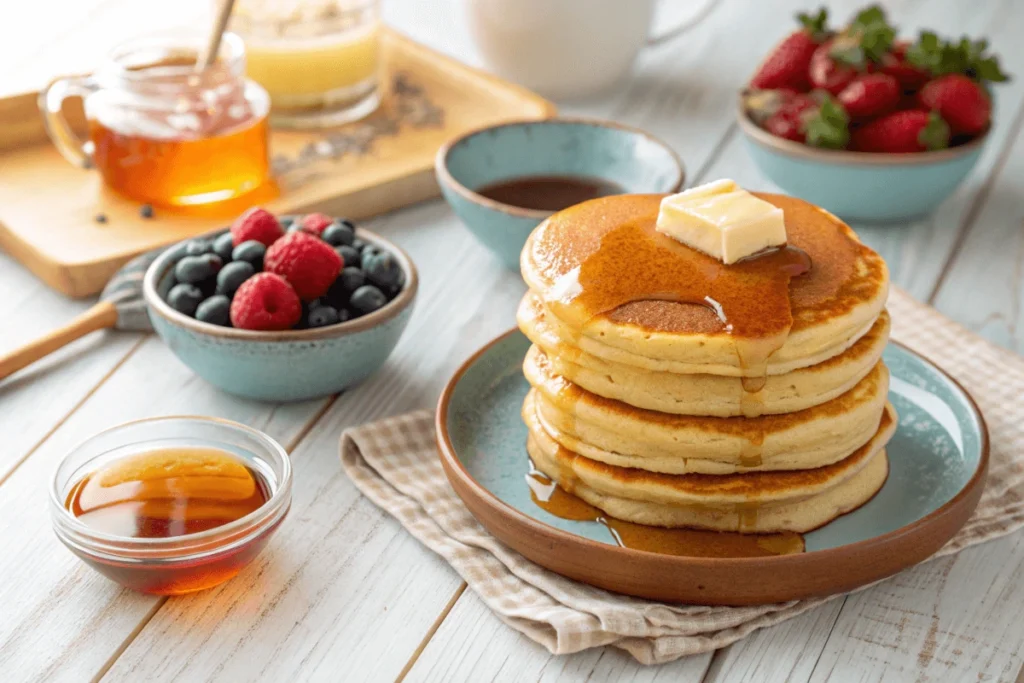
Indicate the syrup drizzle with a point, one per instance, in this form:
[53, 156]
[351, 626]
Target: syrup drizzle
[633, 262]
[560, 502]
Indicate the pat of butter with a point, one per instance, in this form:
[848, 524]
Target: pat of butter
[722, 220]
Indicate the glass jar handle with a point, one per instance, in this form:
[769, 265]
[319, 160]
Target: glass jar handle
[64, 139]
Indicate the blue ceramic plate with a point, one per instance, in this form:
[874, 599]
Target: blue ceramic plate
[937, 458]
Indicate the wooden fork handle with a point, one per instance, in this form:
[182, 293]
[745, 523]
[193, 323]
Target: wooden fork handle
[100, 316]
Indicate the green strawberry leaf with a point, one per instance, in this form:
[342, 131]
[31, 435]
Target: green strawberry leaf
[955, 57]
[829, 127]
[876, 39]
[815, 24]
[848, 53]
[867, 16]
[935, 134]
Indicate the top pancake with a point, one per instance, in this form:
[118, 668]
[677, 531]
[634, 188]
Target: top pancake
[832, 304]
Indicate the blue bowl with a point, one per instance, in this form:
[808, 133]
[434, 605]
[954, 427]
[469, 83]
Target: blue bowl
[860, 185]
[292, 365]
[627, 157]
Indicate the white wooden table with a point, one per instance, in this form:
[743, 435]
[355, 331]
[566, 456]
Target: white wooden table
[342, 593]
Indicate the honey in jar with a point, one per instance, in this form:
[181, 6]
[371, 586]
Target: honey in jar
[165, 133]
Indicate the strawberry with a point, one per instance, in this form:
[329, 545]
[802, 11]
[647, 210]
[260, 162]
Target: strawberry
[858, 49]
[787, 121]
[963, 103]
[895, 64]
[870, 95]
[786, 66]
[901, 131]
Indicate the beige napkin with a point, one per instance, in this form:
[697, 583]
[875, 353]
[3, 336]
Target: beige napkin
[395, 463]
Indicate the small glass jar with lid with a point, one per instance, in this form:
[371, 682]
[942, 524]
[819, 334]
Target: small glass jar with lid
[320, 60]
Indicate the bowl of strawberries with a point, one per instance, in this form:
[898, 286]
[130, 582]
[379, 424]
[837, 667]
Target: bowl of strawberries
[868, 125]
[282, 308]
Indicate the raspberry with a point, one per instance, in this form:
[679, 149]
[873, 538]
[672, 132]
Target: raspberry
[315, 223]
[265, 302]
[308, 263]
[256, 224]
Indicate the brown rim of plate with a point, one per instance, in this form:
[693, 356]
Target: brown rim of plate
[157, 305]
[879, 557]
[441, 160]
[841, 156]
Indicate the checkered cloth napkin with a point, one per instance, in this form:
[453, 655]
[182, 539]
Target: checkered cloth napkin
[394, 462]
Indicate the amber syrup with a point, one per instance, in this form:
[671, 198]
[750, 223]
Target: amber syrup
[167, 494]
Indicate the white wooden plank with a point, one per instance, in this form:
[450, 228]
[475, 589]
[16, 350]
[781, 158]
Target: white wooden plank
[777, 654]
[984, 288]
[35, 399]
[61, 621]
[474, 645]
[344, 587]
[954, 619]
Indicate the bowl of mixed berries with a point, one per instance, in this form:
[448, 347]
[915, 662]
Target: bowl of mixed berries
[282, 308]
[866, 124]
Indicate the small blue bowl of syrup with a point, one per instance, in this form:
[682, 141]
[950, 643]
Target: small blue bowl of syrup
[171, 505]
[502, 181]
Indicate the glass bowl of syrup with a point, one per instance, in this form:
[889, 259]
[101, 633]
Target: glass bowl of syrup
[171, 505]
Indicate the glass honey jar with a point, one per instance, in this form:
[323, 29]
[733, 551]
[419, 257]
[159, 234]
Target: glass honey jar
[161, 132]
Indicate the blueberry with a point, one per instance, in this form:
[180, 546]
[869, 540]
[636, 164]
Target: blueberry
[295, 227]
[146, 210]
[286, 221]
[322, 316]
[339, 233]
[184, 298]
[197, 247]
[343, 315]
[383, 270]
[367, 299]
[231, 277]
[195, 269]
[250, 252]
[216, 310]
[350, 279]
[367, 256]
[224, 247]
[358, 244]
[348, 254]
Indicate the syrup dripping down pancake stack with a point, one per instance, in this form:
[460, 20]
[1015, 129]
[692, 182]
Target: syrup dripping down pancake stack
[672, 390]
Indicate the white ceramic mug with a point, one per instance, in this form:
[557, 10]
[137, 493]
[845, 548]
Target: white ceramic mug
[565, 48]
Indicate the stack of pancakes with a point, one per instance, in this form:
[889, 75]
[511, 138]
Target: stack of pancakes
[649, 412]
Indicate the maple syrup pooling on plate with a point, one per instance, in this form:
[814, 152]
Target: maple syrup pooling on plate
[556, 500]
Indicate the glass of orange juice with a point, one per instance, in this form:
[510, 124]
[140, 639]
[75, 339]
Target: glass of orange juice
[319, 59]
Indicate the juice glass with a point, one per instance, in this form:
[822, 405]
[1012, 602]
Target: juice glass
[162, 132]
[318, 59]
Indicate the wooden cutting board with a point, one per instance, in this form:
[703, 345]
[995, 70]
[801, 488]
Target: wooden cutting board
[47, 206]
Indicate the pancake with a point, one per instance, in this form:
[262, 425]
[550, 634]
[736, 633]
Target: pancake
[703, 394]
[831, 305]
[619, 434]
[799, 517]
[751, 503]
